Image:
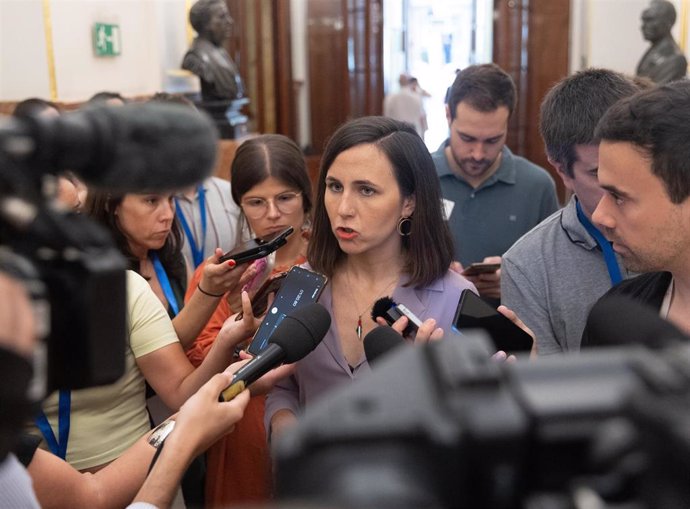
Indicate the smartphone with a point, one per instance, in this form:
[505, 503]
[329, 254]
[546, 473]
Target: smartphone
[475, 269]
[257, 248]
[260, 299]
[474, 313]
[299, 287]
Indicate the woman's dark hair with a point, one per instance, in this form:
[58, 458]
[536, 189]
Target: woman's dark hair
[101, 205]
[270, 155]
[429, 247]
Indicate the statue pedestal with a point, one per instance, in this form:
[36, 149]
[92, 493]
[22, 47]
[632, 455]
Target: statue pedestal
[228, 118]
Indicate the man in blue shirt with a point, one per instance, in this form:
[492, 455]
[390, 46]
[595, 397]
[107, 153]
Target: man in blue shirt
[491, 196]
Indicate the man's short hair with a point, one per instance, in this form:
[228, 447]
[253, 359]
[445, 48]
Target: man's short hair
[656, 122]
[571, 110]
[484, 87]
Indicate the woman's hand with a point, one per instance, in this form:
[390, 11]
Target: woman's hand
[233, 332]
[264, 384]
[202, 420]
[510, 314]
[221, 277]
[426, 332]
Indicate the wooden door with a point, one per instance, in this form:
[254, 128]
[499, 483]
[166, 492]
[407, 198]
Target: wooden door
[531, 43]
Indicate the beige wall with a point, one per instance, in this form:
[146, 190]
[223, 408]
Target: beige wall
[153, 34]
[606, 33]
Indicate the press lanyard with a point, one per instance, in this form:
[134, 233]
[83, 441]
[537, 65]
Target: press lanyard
[57, 447]
[197, 249]
[605, 245]
[165, 283]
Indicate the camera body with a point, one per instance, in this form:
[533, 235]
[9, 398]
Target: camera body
[442, 426]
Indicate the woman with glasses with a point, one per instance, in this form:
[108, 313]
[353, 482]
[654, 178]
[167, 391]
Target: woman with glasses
[270, 183]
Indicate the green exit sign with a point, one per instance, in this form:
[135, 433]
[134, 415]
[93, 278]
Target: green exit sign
[106, 40]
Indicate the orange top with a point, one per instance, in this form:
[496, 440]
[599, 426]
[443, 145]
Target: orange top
[238, 466]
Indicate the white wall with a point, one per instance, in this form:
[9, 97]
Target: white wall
[606, 33]
[153, 35]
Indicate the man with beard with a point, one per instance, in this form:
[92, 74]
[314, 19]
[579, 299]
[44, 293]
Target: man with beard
[491, 196]
[644, 169]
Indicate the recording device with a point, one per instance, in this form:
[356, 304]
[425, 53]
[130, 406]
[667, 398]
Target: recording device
[299, 288]
[257, 248]
[611, 323]
[136, 147]
[443, 426]
[379, 342]
[133, 148]
[391, 311]
[474, 269]
[296, 335]
[474, 313]
[260, 299]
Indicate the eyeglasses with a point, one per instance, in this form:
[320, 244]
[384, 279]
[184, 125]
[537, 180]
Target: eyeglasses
[286, 203]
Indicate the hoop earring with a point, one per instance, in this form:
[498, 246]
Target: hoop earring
[405, 226]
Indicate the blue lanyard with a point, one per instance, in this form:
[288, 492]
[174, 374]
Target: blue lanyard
[165, 283]
[59, 448]
[197, 249]
[605, 245]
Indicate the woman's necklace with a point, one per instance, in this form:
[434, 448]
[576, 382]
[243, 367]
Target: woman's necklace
[379, 294]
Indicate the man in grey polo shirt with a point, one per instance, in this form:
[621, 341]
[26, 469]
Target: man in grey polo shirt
[492, 197]
[555, 273]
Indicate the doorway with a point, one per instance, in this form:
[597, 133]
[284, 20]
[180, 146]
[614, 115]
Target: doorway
[430, 40]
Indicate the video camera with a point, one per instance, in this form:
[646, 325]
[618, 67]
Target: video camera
[442, 426]
[71, 264]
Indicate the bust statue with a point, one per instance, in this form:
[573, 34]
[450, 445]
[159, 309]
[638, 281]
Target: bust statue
[207, 58]
[663, 61]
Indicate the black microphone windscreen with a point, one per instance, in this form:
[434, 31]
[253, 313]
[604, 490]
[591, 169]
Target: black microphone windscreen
[301, 331]
[137, 147]
[380, 341]
[618, 320]
[381, 306]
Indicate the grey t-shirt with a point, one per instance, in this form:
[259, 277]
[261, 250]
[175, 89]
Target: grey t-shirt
[486, 221]
[552, 277]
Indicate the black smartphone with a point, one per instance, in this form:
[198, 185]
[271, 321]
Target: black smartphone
[257, 248]
[474, 313]
[474, 269]
[260, 298]
[299, 287]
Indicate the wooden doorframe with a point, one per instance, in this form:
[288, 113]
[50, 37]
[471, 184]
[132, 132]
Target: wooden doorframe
[522, 31]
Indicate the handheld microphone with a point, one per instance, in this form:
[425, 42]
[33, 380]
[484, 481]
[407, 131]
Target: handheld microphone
[391, 311]
[617, 320]
[296, 335]
[133, 148]
[379, 342]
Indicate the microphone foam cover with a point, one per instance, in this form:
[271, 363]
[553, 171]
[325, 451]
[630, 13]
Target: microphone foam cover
[301, 331]
[381, 306]
[380, 341]
[617, 320]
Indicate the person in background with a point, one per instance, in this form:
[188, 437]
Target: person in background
[209, 217]
[271, 186]
[378, 231]
[491, 196]
[407, 105]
